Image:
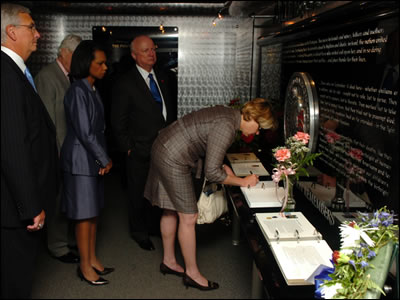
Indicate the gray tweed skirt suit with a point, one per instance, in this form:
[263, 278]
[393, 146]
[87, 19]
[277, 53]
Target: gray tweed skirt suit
[200, 137]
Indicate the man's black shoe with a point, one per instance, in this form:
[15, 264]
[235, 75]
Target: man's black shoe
[146, 244]
[69, 258]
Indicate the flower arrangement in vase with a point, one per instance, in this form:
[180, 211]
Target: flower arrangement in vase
[363, 242]
[292, 160]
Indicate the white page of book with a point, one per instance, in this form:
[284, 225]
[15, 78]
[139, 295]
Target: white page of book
[242, 157]
[298, 260]
[264, 194]
[290, 227]
[245, 169]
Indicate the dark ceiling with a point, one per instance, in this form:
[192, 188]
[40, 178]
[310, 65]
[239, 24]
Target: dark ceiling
[271, 15]
[131, 8]
[182, 8]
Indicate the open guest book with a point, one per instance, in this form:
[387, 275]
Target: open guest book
[297, 246]
[244, 164]
[264, 194]
[242, 157]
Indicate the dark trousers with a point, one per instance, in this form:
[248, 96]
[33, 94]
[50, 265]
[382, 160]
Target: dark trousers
[143, 218]
[19, 249]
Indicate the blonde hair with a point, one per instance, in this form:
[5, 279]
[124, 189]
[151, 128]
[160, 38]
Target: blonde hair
[260, 110]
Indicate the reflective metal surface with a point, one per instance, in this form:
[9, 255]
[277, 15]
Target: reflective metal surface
[302, 108]
[213, 61]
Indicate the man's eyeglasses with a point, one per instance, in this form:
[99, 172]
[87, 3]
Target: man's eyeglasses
[147, 50]
[32, 27]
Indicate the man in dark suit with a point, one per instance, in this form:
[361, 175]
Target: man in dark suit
[142, 105]
[28, 155]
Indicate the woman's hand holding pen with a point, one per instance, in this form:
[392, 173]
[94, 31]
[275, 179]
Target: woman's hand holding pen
[251, 180]
[105, 170]
[232, 179]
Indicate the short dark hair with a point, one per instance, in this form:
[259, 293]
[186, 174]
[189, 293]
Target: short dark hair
[83, 57]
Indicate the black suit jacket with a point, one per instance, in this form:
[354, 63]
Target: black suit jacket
[29, 159]
[135, 116]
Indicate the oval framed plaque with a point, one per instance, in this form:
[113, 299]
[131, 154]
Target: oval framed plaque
[301, 108]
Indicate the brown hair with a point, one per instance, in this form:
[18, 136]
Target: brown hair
[260, 110]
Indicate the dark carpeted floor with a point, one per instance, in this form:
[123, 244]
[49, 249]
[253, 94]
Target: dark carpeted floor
[137, 271]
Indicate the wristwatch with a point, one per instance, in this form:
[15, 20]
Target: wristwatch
[301, 108]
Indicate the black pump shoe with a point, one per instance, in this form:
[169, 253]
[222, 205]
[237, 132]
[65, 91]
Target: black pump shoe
[104, 272]
[167, 270]
[100, 281]
[187, 281]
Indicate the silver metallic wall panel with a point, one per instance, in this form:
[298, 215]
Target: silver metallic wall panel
[270, 75]
[213, 61]
[243, 60]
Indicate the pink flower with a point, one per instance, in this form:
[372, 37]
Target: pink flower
[282, 154]
[332, 137]
[302, 137]
[356, 153]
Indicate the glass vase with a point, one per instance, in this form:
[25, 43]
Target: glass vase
[291, 203]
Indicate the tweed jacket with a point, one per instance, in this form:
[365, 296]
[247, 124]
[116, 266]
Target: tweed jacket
[202, 136]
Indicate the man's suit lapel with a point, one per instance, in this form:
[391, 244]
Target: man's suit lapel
[161, 84]
[144, 89]
[33, 96]
[141, 84]
[164, 83]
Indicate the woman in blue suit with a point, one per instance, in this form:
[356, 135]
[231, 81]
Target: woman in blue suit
[83, 156]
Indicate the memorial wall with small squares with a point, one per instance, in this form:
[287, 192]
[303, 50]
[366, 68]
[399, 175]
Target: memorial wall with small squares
[214, 62]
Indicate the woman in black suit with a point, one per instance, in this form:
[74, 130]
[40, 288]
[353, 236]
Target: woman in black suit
[84, 157]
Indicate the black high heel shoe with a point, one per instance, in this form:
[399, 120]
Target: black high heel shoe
[104, 272]
[167, 270]
[187, 281]
[100, 281]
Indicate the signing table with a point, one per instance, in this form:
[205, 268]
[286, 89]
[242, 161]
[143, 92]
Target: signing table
[267, 279]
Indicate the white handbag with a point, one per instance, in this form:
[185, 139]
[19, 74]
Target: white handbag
[212, 203]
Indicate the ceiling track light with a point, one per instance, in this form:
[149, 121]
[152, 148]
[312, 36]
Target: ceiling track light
[219, 16]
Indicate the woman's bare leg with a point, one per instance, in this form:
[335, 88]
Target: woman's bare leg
[187, 241]
[83, 240]
[168, 226]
